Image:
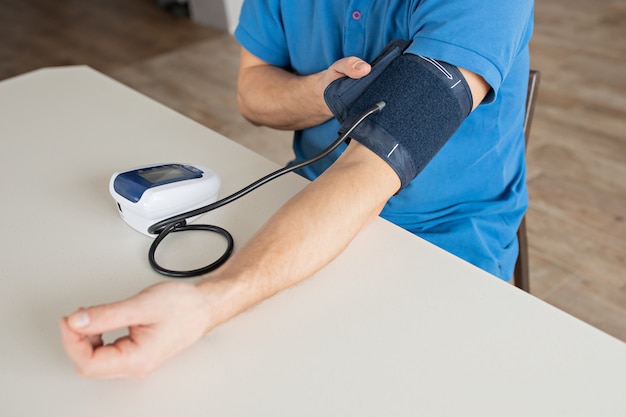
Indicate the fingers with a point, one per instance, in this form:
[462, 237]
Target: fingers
[81, 335]
[154, 335]
[124, 358]
[100, 319]
[352, 67]
[75, 344]
[359, 69]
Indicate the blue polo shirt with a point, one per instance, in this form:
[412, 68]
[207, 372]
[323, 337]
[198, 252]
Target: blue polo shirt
[471, 197]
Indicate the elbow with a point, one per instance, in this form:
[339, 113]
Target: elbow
[245, 110]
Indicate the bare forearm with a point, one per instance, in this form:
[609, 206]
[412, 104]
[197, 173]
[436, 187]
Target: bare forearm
[273, 97]
[304, 235]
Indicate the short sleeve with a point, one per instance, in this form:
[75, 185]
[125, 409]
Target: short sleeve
[482, 36]
[260, 31]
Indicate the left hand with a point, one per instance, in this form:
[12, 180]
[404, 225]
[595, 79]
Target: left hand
[162, 320]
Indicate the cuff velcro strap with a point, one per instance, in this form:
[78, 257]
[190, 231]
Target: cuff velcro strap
[426, 101]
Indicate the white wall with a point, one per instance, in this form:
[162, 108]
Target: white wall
[233, 7]
[220, 14]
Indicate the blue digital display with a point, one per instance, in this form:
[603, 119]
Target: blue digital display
[132, 184]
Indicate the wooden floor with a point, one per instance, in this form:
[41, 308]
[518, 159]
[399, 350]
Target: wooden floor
[577, 152]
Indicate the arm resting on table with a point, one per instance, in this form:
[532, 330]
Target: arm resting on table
[309, 231]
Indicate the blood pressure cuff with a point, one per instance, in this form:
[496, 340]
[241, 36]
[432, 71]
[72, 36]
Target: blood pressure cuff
[426, 101]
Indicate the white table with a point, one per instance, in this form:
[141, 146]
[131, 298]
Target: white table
[393, 327]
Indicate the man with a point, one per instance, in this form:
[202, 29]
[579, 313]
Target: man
[444, 159]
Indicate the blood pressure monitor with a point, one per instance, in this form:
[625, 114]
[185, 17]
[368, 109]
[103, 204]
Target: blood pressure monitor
[163, 199]
[149, 194]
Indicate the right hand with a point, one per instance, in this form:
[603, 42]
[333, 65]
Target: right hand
[272, 96]
[351, 66]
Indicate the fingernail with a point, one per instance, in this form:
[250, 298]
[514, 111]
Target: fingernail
[358, 65]
[79, 319]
